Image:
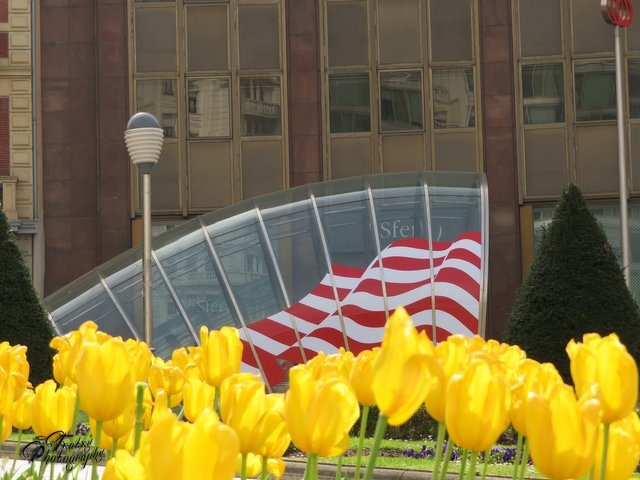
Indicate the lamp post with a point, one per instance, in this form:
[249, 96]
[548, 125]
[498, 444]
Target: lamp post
[143, 138]
[619, 13]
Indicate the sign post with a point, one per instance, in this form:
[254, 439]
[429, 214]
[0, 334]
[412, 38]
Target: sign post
[619, 13]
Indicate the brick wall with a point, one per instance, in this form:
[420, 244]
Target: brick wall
[4, 11]
[4, 135]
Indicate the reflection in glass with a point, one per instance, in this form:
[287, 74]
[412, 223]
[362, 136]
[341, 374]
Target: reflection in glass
[543, 94]
[453, 103]
[349, 103]
[158, 97]
[242, 256]
[188, 264]
[401, 100]
[260, 106]
[634, 88]
[209, 114]
[595, 91]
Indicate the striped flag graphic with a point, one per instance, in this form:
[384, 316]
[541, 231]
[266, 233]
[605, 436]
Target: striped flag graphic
[347, 309]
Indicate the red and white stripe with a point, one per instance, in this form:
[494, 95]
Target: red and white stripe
[406, 278]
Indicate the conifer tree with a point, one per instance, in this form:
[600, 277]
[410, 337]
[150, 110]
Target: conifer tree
[575, 286]
[22, 319]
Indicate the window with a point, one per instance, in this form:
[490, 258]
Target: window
[195, 62]
[595, 91]
[634, 88]
[399, 73]
[349, 103]
[260, 106]
[543, 94]
[453, 100]
[401, 101]
[209, 112]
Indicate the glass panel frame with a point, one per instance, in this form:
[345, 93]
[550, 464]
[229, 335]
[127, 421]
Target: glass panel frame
[595, 91]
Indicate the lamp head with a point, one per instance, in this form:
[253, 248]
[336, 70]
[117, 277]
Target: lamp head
[143, 138]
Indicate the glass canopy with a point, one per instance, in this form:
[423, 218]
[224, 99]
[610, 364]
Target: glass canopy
[310, 269]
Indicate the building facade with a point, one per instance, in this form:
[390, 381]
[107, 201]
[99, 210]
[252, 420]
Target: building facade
[257, 96]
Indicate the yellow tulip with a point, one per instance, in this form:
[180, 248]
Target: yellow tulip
[253, 465]
[400, 379]
[123, 424]
[339, 363]
[68, 346]
[104, 379]
[6, 427]
[13, 359]
[188, 361]
[167, 377]
[272, 435]
[139, 359]
[210, 449]
[276, 467]
[605, 361]
[159, 408]
[562, 432]
[221, 354]
[162, 448]
[530, 377]
[623, 448]
[362, 375]
[320, 413]
[53, 409]
[197, 396]
[477, 409]
[125, 440]
[242, 404]
[22, 410]
[124, 466]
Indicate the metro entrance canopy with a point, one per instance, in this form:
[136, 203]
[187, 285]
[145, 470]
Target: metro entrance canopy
[304, 270]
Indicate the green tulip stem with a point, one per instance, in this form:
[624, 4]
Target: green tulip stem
[381, 426]
[487, 456]
[114, 447]
[525, 458]
[605, 448]
[216, 402]
[516, 460]
[311, 472]
[181, 413]
[592, 472]
[265, 472]
[472, 468]
[51, 471]
[363, 428]
[463, 463]
[94, 462]
[447, 458]
[76, 412]
[139, 412]
[15, 457]
[243, 468]
[339, 467]
[442, 430]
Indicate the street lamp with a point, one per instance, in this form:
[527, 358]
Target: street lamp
[143, 138]
[619, 13]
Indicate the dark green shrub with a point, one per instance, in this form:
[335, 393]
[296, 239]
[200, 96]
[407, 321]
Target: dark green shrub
[419, 427]
[575, 286]
[22, 319]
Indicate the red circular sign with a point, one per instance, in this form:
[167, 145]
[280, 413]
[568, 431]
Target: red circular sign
[617, 12]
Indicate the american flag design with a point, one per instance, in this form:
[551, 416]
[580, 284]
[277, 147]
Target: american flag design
[403, 271]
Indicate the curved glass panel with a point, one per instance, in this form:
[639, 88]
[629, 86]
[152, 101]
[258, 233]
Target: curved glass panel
[310, 269]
